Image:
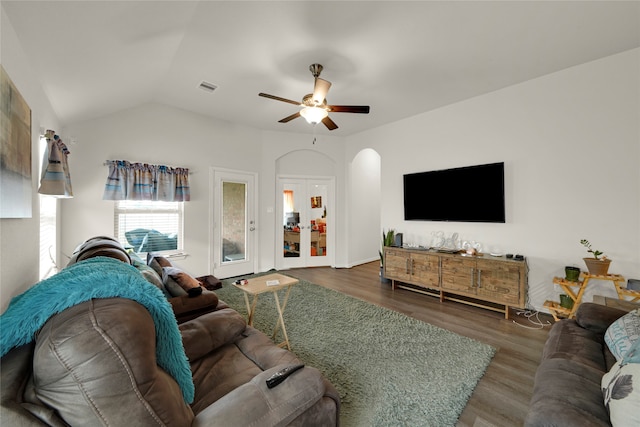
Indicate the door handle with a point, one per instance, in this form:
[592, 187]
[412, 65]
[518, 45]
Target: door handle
[252, 229]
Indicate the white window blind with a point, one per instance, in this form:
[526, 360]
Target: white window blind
[149, 226]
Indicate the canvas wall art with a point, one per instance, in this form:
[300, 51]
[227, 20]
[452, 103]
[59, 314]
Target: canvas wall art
[15, 151]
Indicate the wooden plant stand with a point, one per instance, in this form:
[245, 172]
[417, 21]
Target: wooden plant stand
[575, 290]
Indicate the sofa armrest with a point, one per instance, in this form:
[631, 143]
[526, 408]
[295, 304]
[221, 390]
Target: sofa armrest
[255, 404]
[205, 333]
[597, 317]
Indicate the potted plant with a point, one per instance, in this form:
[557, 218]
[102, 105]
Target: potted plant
[597, 265]
[388, 239]
[572, 274]
[566, 301]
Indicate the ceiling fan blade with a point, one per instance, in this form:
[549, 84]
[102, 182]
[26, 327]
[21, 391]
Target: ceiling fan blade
[277, 98]
[320, 90]
[361, 109]
[289, 118]
[330, 124]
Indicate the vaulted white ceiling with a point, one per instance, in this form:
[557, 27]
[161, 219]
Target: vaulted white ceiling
[401, 58]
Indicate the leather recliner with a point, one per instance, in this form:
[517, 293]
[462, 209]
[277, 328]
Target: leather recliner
[94, 364]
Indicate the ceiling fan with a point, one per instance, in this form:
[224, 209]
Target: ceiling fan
[314, 105]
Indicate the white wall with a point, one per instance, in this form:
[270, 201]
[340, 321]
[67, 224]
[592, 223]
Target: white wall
[364, 207]
[275, 146]
[571, 146]
[155, 133]
[19, 238]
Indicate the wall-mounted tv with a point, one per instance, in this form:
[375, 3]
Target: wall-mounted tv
[466, 194]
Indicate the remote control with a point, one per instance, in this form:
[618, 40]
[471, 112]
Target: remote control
[282, 375]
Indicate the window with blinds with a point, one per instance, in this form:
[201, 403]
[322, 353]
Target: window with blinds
[149, 226]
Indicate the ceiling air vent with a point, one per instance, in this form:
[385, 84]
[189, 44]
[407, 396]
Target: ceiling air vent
[208, 87]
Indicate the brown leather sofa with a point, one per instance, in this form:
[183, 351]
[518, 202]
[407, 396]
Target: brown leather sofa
[95, 364]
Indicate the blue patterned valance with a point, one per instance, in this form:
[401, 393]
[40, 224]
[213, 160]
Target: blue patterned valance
[140, 181]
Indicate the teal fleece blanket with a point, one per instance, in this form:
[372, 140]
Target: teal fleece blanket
[98, 277]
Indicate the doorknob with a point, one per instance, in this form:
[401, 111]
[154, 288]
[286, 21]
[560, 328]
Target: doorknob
[252, 229]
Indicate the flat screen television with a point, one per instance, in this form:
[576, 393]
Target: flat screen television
[466, 194]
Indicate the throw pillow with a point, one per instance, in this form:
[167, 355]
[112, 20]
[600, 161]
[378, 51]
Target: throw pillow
[157, 263]
[633, 355]
[174, 289]
[623, 333]
[621, 391]
[186, 282]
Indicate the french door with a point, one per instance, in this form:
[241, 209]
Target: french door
[234, 226]
[305, 227]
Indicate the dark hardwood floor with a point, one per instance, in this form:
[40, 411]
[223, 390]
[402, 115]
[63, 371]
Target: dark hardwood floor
[502, 395]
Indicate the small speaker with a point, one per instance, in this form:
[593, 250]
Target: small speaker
[398, 240]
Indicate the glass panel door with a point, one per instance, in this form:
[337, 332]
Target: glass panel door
[306, 222]
[318, 218]
[233, 223]
[295, 236]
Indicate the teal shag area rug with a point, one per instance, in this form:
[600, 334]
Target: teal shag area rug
[389, 369]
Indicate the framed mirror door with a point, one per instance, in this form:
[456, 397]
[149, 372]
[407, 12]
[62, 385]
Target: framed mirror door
[305, 222]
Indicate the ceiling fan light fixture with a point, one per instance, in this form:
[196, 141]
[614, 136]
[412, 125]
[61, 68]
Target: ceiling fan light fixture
[314, 115]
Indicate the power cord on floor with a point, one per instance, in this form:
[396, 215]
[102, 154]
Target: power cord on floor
[533, 316]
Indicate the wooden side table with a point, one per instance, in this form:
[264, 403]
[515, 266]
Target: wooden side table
[269, 283]
[575, 290]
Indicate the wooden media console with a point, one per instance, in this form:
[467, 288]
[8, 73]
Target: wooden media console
[494, 283]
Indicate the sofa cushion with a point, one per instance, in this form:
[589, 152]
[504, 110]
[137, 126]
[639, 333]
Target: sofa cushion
[186, 308]
[623, 333]
[568, 340]
[253, 404]
[597, 317]
[567, 394]
[235, 364]
[210, 331]
[621, 390]
[95, 364]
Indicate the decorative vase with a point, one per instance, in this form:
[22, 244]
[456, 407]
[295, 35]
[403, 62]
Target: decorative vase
[597, 267]
[566, 301]
[572, 274]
